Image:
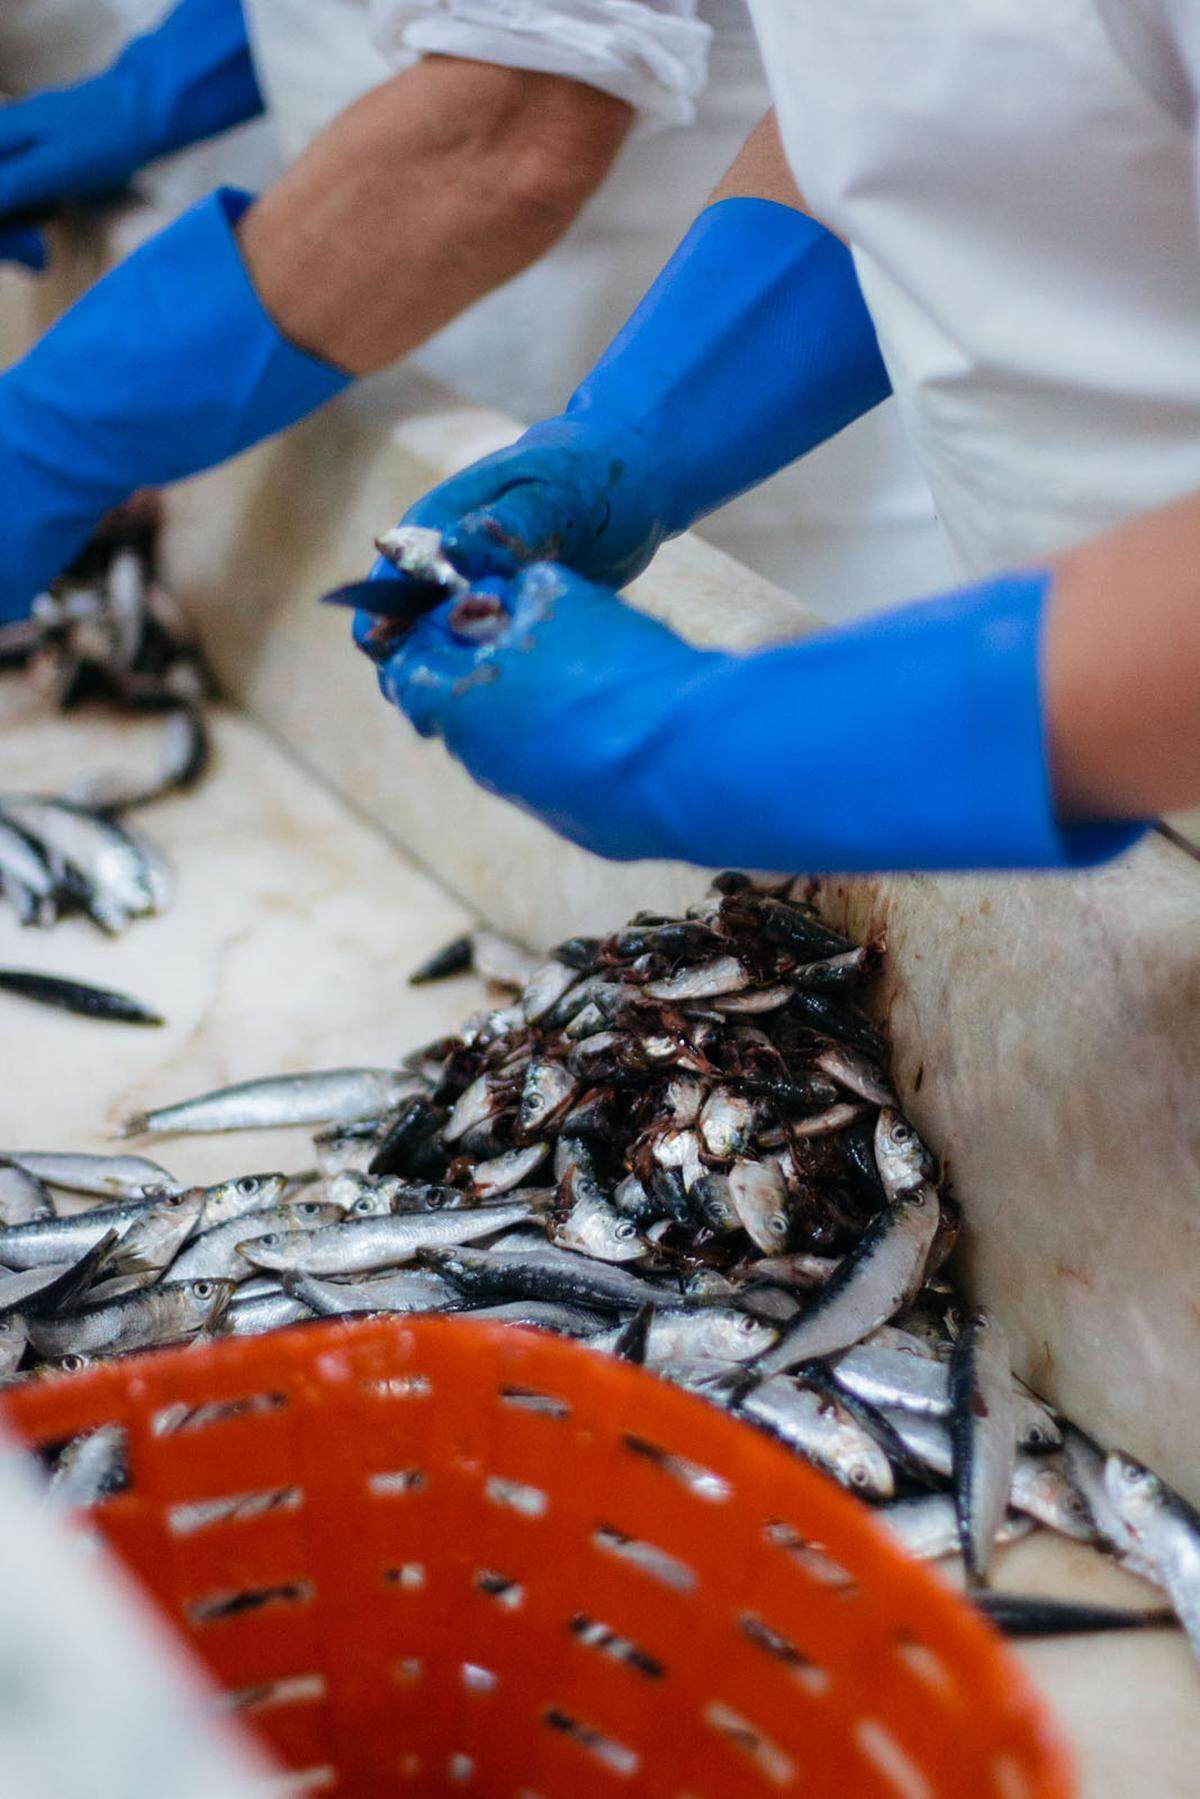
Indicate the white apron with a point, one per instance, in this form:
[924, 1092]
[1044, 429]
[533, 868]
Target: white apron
[1023, 216]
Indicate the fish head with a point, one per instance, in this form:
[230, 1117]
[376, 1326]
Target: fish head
[902, 1159]
[312, 1213]
[245, 1193]
[275, 1250]
[206, 1301]
[1131, 1487]
[743, 1336]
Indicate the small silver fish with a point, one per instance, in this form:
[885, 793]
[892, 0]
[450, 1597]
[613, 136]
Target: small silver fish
[407, 1290]
[107, 1177]
[215, 1255]
[725, 974]
[596, 1228]
[502, 1173]
[983, 1437]
[727, 1123]
[330, 1096]
[901, 1158]
[1163, 1529]
[545, 1096]
[822, 1431]
[361, 1245]
[882, 1274]
[927, 1526]
[758, 1193]
[856, 1073]
[169, 1313]
[22, 1196]
[723, 1332]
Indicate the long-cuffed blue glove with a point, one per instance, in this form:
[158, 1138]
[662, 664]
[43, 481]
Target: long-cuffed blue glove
[753, 346]
[914, 740]
[167, 366]
[188, 79]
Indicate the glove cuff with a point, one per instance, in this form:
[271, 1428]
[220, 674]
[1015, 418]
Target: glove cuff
[169, 365]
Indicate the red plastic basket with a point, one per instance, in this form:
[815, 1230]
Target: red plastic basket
[496, 1562]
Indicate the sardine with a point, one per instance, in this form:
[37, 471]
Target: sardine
[758, 1193]
[215, 1255]
[334, 1096]
[1163, 1529]
[408, 1290]
[361, 1245]
[983, 1437]
[727, 1124]
[1036, 1615]
[23, 1197]
[818, 1428]
[108, 1177]
[169, 1313]
[926, 1526]
[725, 974]
[879, 1277]
[900, 1156]
[678, 1333]
[856, 1073]
[543, 1272]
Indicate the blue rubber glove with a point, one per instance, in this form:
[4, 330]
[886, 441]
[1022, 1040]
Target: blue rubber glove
[167, 366]
[188, 79]
[753, 346]
[910, 741]
[24, 244]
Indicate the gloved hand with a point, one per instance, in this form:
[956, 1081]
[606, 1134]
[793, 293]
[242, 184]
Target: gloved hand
[167, 366]
[188, 79]
[910, 741]
[24, 244]
[753, 345]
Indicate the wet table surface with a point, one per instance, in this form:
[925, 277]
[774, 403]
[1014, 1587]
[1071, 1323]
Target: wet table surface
[287, 947]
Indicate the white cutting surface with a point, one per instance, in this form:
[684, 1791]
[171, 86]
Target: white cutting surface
[287, 948]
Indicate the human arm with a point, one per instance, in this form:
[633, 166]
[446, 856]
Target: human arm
[189, 78]
[753, 346]
[176, 359]
[933, 737]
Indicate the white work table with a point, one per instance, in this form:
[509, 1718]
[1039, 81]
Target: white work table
[288, 946]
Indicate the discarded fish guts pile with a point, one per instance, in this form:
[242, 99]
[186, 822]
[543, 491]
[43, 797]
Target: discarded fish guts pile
[678, 1144]
[108, 630]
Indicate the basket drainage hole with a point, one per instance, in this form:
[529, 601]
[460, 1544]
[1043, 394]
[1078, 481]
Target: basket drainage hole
[813, 1557]
[928, 1667]
[897, 1767]
[400, 1386]
[295, 1689]
[460, 1769]
[409, 1575]
[648, 1557]
[770, 1760]
[171, 1420]
[596, 1635]
[399, 1480]
[1011, 1780]
[308, 1780]
[527, 1399]
[690, 1475]
[409, 1671]
[530, 1502]
[509, 1594]
[810, 1675]
[201, 1514]
[250, 1599]
[607, 1750]
[477, 1679]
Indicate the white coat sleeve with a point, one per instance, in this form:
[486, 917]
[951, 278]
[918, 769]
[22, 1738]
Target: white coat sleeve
[651, 53]
[1160, 42]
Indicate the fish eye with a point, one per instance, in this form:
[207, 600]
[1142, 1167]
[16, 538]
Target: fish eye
[247, 1184]
[625, 1230]
[860, 1477]
[204, 1289]
[777, 1224]
[747, 1325]
[361, 1206]
[901, 1133]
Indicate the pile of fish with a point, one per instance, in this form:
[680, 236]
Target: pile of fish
[678, 1144]
[107, 631]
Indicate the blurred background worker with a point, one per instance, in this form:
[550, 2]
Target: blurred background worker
[428, 154]
[1017, 185]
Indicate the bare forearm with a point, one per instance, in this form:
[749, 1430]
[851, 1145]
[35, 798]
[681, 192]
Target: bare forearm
[433, 189]
[760, 170]
[1122, 669]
